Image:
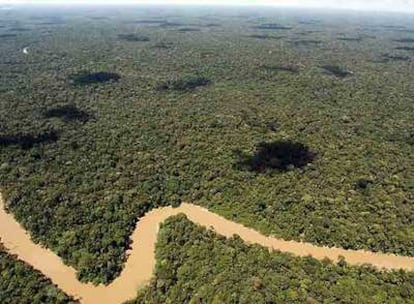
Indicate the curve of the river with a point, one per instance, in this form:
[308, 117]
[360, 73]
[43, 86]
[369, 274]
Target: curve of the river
[140, 264]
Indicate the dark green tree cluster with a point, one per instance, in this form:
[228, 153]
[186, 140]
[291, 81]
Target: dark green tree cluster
[277, 156]
[272, 26]
[67, 112]
[97, 77]
[27, 141]
[133, 37]
[184, 84]
[336, 70]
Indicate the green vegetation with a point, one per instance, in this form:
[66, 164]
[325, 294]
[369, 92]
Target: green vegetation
[21, 284]
[390, 57]
[281, 68]
[81, 191]
[197, 266]
[163, 45]
[27, 141]
[307, 42]
[272, 26]
[92, 78]
[336, 70]
[279, 156]
[19, 29]
[261, 36]
[67, 113]
[170, 24]
[405, 40]
[133, 37]
[151, 22]
[211, 25]
[188, 29]
[7, 36]
[405, 48]
[184, 84]
[357, 39]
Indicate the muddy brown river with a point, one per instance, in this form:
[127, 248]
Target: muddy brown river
[140, 264]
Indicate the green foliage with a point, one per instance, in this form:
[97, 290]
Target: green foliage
[92, 78]
[163, 45]
[197, 266]
[336, 70]
[272, 26]
[133, 37]
[405, 40]
[67, 112]
[184, 84]
[170, 24]
[263, 37]
[278, 155]
[81, 194]
[27, 141]
[2, 36]
[405, 48]
[281, 68]
[356, 39]
[363, 183]
[21, 284]
[188, 29]
[390, 57]
[307, 42]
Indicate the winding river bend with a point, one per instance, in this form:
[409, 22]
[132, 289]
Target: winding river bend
[140, 264]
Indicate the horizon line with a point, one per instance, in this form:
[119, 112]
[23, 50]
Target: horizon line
[294, 4]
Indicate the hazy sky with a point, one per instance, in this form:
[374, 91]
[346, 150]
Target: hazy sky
[375, 5]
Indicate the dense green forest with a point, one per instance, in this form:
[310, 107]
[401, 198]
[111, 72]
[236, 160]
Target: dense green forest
[21, 284]
[297, 124]
[197, 266]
